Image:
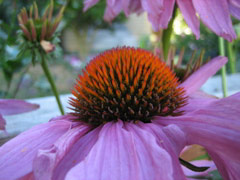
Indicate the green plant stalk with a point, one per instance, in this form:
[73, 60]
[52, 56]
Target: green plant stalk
[223, 70]
[166, 36]
[231, 58]
[50, 80]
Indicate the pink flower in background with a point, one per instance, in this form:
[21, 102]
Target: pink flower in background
[89, 144]
[14, 106]
[215, 14]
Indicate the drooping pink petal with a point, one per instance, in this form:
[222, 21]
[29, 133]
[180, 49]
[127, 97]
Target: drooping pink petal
[215, 14]
[14, 106]
[126, 6]
[200, 163]
[76, 154]
[234, 8]
[172, 139]
[153, 6]
[189, 15]
[47, 159]
[124, 154]
[89, 3]
[112, 10]
[228, 169]
[16, 156]
[217, 128]
[2, 123]
[162, 19]
[198, 78]
[130, 6]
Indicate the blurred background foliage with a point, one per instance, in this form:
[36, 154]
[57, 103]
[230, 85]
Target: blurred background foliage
[19, 79]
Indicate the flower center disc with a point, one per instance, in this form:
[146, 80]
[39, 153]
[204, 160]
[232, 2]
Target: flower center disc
[127, 84]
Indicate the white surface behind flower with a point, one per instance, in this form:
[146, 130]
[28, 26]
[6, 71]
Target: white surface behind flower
[49, 109]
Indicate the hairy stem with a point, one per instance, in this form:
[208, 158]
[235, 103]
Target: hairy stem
[50, 80]
[231, 58]
[166, 36]
[223, 70]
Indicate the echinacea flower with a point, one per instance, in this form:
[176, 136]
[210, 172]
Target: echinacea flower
[215, 14]
[13, 106]
[131, 120]
[39, 31]
[39, 38]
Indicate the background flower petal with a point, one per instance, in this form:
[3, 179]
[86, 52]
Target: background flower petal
[131, 6]
[15, 106]
[153, 6]
[162, 19]
[189, 15]
[89, 3]
[16, 156]
[198, 78]
[112, 10]
[215, 14]
[2, 123]
[234, 7]
[124, 155]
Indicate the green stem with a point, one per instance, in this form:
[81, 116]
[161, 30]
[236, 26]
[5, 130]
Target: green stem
[231, 57]
[50, 80]
[223, 70]
[166, 36]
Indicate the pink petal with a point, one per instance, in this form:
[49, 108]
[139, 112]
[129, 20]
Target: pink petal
[16, 156]
[203, 95]
[2, 123]
[126, 6]
[14, 106]
[89, 3]
[131, 6]
[153, 6]
[194, 103]
[189, 15]
[124, 154]
[77, 152]
[198, 78]
[112, 10]
[234, 8]
[162, 19]
[172, 139]
[228, 169]
[200, 163]
[47, 159]
[216, 16]
[217, 128]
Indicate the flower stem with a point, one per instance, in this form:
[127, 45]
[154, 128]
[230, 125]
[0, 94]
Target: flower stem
[50, 80]
[193, 167]
[166, 36]
[223, 70]
[231, 57]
